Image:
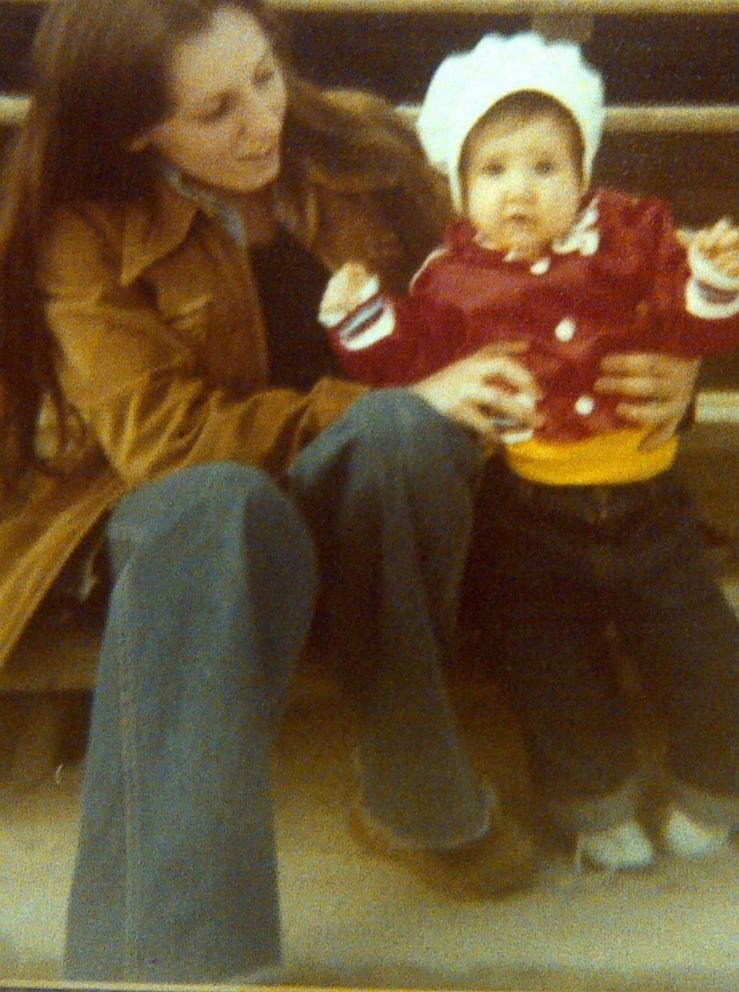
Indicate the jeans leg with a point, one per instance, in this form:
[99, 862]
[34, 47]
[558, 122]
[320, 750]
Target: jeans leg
[684, 636]
[567, 696]
[175, 877]
[388, 491]
[551, 592]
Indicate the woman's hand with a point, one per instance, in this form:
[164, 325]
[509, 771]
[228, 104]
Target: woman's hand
[657, 391]
[484, 389]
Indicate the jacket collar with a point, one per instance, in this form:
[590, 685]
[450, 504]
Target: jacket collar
[149, 235]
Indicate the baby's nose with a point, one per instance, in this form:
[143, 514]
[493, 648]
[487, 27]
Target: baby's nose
[519, 183]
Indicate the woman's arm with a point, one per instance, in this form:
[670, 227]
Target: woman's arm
[656, 391]
[141, 386]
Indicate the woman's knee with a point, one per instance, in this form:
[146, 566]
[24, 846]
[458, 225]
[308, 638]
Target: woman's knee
[222, 503]
[395, 423]
[392, 415]
[212, 561]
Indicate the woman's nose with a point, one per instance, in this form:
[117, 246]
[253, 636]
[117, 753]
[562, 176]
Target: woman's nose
[261, 120]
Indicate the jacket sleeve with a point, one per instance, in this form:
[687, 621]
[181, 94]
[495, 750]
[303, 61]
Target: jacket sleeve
[137, 387]
[390, 340]
[697, 308]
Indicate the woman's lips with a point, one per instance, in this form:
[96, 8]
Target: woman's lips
[259, 156]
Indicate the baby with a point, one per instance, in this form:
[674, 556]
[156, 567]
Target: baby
[590, 527]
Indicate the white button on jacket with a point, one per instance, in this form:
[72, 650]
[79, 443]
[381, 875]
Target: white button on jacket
[540, 267]
[584, 405]
[565, 329]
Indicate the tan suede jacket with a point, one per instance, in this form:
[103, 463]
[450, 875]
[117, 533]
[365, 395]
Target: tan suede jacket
[162, 353]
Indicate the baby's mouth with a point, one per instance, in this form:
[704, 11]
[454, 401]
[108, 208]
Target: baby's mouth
[519, 220]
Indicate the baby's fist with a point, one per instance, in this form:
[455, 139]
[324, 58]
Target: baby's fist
[719, 245]
[346, 289]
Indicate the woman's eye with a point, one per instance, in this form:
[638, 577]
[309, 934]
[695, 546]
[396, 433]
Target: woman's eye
[492, 169]
[545, 168]
[215, 113]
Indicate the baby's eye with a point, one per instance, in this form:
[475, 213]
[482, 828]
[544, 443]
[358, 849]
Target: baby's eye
[263, 77]
[492, 169]
[545, 167]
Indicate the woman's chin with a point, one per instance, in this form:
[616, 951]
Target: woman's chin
[255, 176]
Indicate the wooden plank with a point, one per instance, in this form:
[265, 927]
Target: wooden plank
[717, 406]
[636, 119]
[665, 119]
[698, 118]
[620, 7]
[12, 109]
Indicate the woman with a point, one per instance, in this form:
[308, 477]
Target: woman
[173, 207]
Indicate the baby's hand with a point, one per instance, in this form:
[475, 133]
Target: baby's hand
[346, 289]
[719, 245]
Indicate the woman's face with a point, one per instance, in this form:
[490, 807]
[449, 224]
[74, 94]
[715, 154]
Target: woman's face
[229, 97]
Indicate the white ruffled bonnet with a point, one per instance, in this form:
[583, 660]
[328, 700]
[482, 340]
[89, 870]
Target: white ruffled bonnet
[467, 85]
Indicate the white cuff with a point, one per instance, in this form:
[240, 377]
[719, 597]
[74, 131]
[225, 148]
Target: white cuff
[331, 316]
[710, 293]
[368, 326]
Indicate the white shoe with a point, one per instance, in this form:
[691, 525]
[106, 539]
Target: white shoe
[688, 838]
[624, 847]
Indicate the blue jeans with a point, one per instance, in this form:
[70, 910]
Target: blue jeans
[216, 575]
[571, 561]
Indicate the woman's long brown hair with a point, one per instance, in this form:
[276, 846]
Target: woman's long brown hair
[99, 80]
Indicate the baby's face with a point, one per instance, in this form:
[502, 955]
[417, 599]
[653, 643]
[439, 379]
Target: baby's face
[522, 184]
